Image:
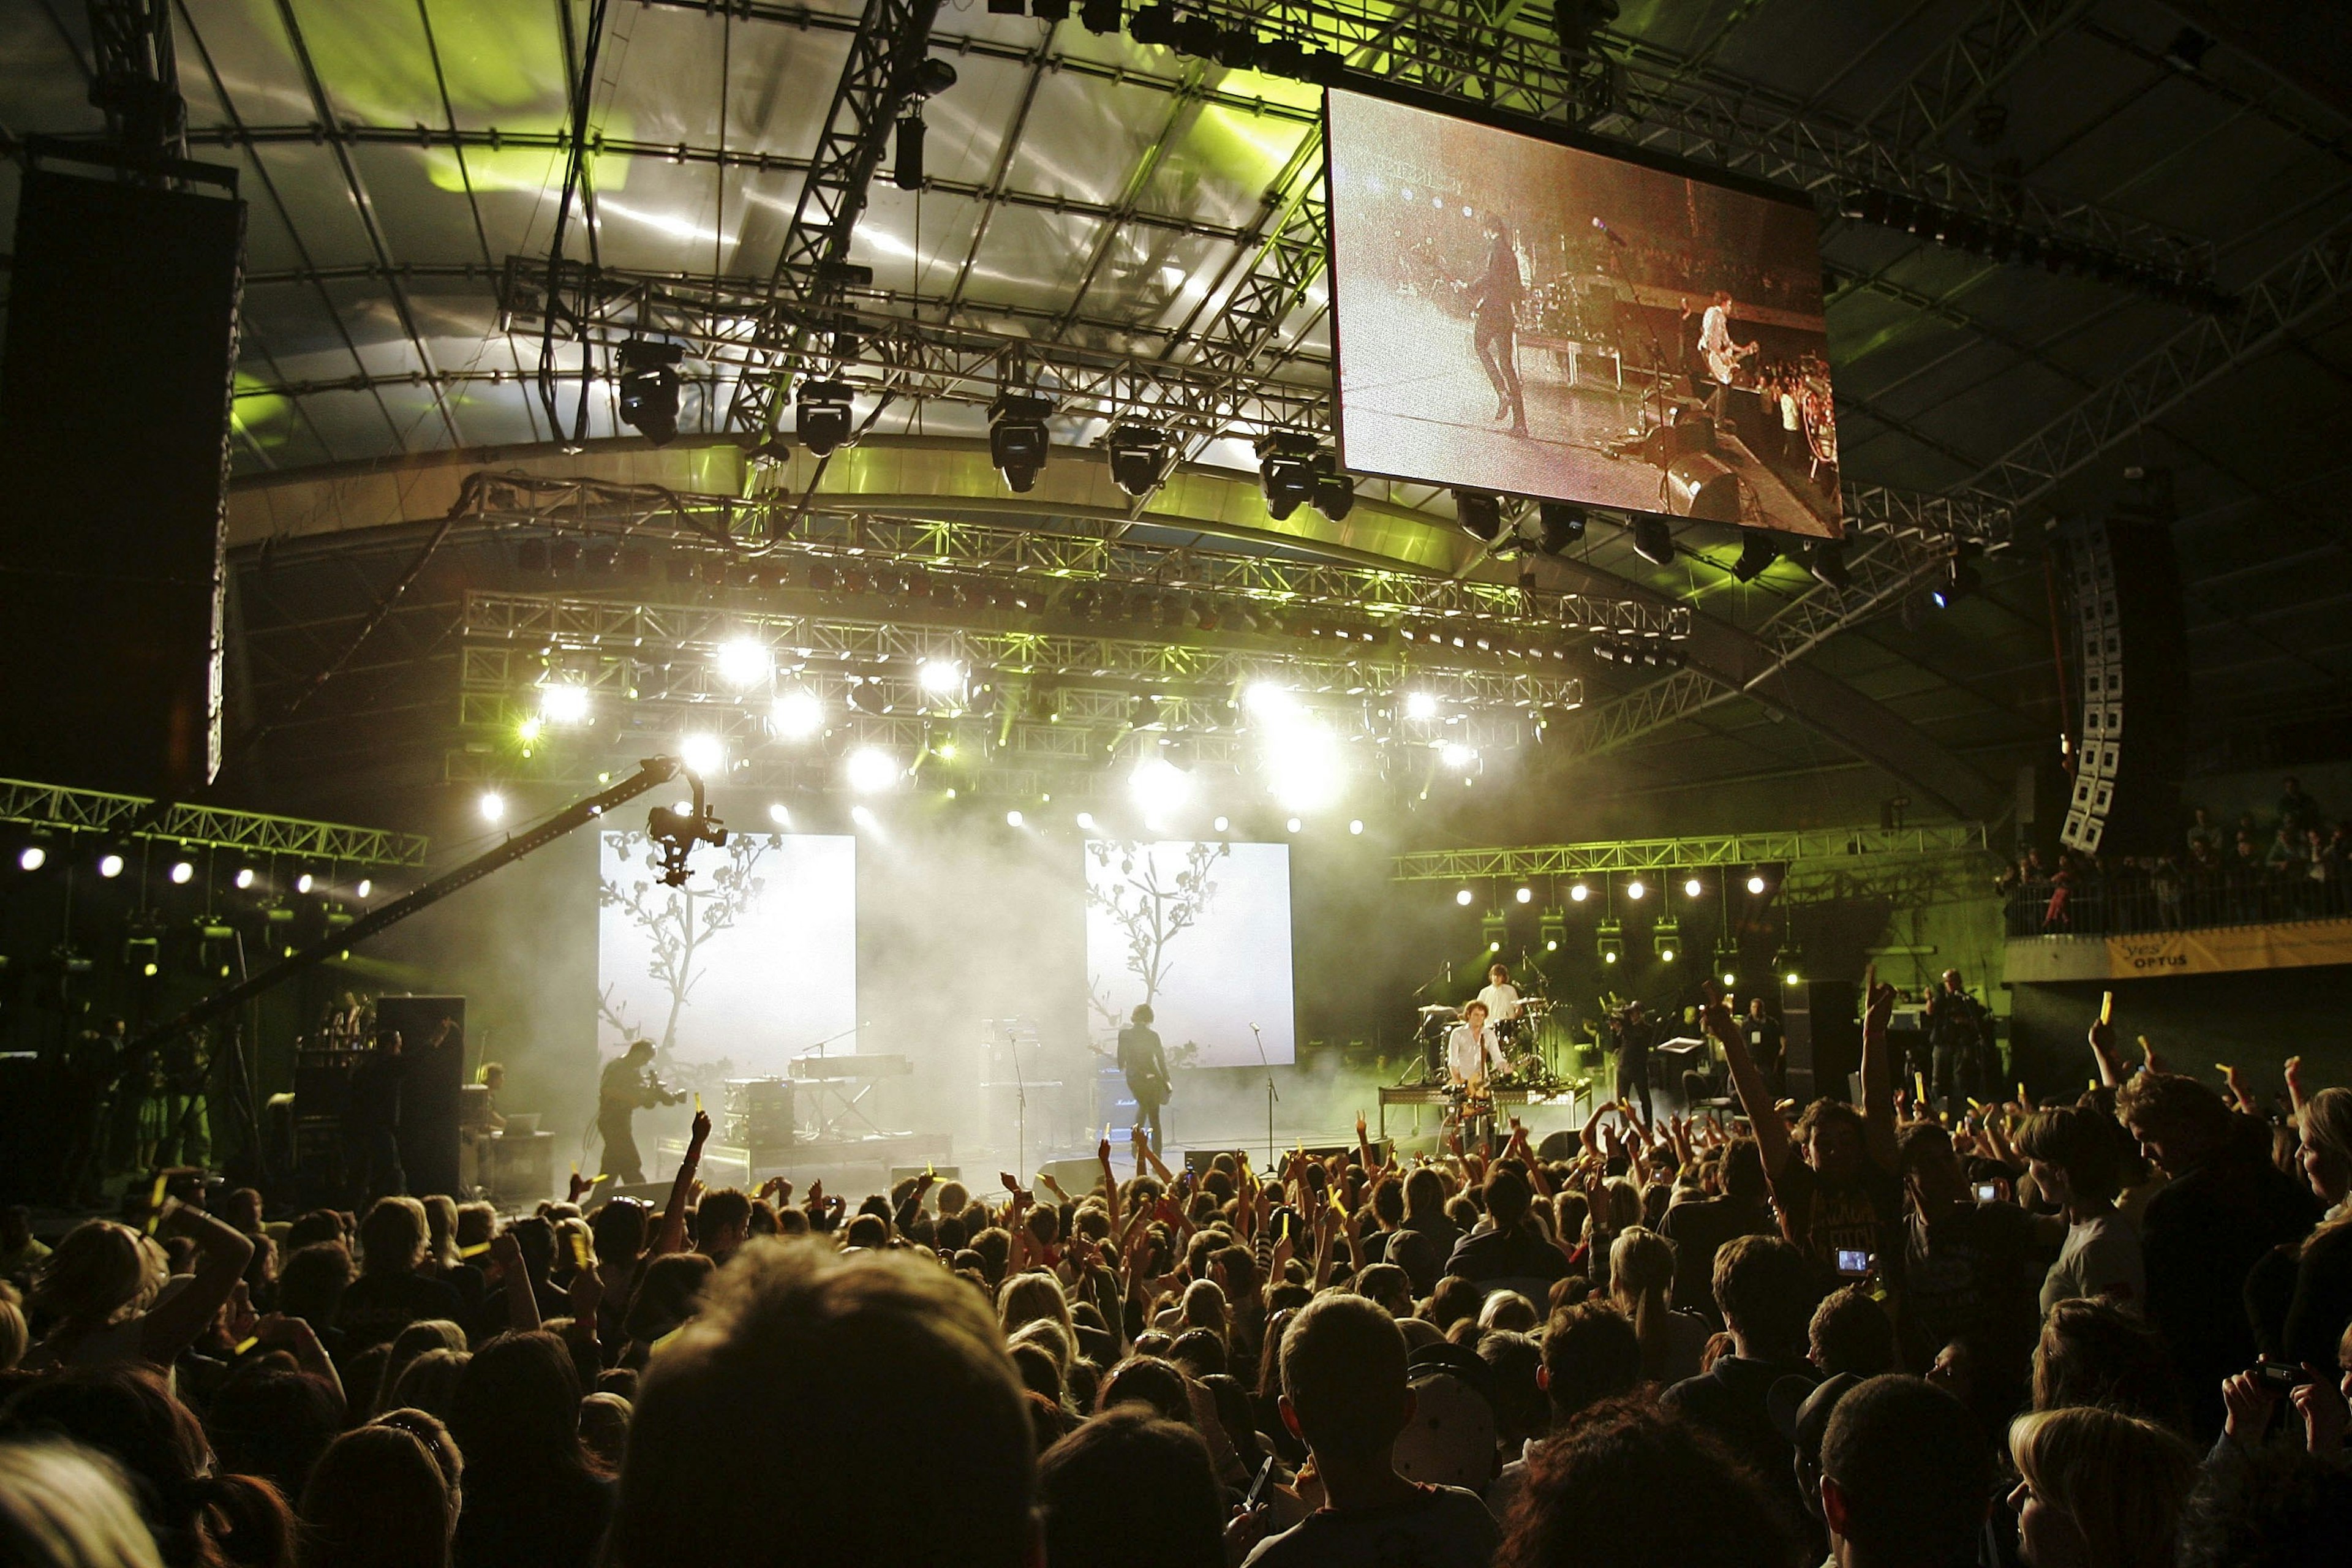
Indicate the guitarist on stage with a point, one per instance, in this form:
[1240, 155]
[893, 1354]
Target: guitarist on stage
[627, 1086]
[1146, 1067]
[1722, 356]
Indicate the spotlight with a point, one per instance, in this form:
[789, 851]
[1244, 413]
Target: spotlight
[109, 864]
[303, 884]
[1654, 541]
[1756, 882]
[1265, 699]
[1961, 580]
[940, 677]
[703, 754]
[1152, 24]
[245, 878]
[1421, 705]
[1561, 525]
[1158, 787]
[1356, 826]
[872, 770]
[1666, 950]
[1294, 824]
[1454, 754]
[182, 873]
[1825, 559]
[564, 703]
[1693, 888]
[1014, 819]
[1085, 821]
[1634, 890]
[799, 714]
[744, 661]
[1017, 442]
[862, 815]
[1285, 470]
[1756, 554]
[1480, 513]
[1552, 926]
[650, 388]
[363, 889]
[1463, 897]
[1220, 825]
[1139, 457]
[1577, 892]
[821, 415]
[779, 815]
[1101, 16]
[32, 858]
[1609, 938]
[1335, 492]
[1304, 766]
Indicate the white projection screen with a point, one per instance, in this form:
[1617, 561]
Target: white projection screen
[1516, 316]
[755, 962]
[1202, 930]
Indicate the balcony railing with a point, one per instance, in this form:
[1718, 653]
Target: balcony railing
[2126, 903]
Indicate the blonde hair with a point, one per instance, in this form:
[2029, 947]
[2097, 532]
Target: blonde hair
[1026, 1298]
[2327, 1126]
[1641, 1281]
[16, 1337]
[2122, 1479]
[102, 1273]
[70, 1508]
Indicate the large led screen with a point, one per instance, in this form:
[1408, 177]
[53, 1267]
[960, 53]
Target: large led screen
[752, 964]
[1200, 931]
[1516, 316]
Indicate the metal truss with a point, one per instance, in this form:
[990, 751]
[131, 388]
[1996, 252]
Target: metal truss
[1812, 849]
[876, 82]
[1952, 82]
[951, 554]
[63, 810]
[2295, 288]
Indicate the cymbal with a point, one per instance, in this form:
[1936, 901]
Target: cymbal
[1439, 1009]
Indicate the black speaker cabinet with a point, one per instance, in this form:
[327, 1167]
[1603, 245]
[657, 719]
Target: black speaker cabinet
[433, 1060]
[1823, 1032]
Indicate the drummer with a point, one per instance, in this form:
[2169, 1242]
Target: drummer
[1500, 999]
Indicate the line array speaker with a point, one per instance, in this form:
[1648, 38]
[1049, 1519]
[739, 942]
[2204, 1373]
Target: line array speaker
[2131, 646]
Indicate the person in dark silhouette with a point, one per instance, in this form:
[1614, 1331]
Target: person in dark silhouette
[373, 1117]
[1145, 1064]
[1495, 296]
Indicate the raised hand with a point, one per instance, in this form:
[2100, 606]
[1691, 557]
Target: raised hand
[701, 1130]
[2249, 1404]
[2324, 1414]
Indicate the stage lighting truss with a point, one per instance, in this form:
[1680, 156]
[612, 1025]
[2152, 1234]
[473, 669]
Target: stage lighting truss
[1018, 444]
[1638, 653]
[1551, 928]
[653, 671]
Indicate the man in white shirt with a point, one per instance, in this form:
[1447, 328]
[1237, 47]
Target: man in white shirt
[1472, 1054]
[1722, 356]
[1500, 999]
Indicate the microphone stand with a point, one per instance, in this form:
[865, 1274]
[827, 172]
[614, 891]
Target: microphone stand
[1270, 1095]
[1020, 1112]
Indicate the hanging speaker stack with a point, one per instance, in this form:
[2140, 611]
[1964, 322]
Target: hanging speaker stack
[2130, 645]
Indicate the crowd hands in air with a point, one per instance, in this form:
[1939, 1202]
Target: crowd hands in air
[2104, 1331]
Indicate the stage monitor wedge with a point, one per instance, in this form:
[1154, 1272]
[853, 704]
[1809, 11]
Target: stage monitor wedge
[1514, 314]
[115, 390]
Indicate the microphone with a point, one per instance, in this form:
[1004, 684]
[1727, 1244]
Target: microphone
[1614, 238]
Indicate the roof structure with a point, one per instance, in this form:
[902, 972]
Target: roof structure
[1141, 226]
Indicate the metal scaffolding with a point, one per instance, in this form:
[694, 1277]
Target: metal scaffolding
[1814, 849]
[60, 809]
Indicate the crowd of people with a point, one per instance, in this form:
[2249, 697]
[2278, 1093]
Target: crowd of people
[2295, 864]
[2110, 1333]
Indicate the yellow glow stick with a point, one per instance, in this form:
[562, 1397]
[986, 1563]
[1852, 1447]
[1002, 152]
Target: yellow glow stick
[1919, 1086]
[247, 1343]
[698, 1103]
[2021, 1090]
[2107, 1006]
[475, 1250]
[155, 1204]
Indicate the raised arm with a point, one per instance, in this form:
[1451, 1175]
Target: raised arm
[1755, 1095]
[514, 1279]
[2102, 1043]
[1877, 1071]
[222, 1253]
[669, 1235]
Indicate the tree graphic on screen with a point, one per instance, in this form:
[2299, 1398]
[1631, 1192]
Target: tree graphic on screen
[1151, 905]
[678, 922]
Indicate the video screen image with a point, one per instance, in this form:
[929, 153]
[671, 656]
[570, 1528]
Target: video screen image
[1200, 931]
[1516, 316]
[752, 964]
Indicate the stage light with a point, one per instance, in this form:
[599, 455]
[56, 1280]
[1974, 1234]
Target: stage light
[1577, 892]
[1789, 978]
[1560, 526]
[862, 817]
[1756, 882]
[1463, 897]
[32, 858]
[650, 388]
[799, 714]
[1139, 457]
[1654, 541]
[1729, 979]
[1454, 754]
[872, 770]
[1526, 894]
[1100, 16]
[182, 873]
[564, 703]
[703, 754]
[1756, 554]
[1421, 705]
[821, 415]
[1158, 787]
[940, 677]
[1266, 700]
[1294, 824]
[1334, 491]
[1086, 821]
[363, 889]
[1285, 470]
[109, 864]
[1304, 766]
[1693, 888]
[779, 815]
[1609, 937]
[1634, 890]
[744, 661]
[1356, 826]
[305, 882]
[527, 732]
[1219, 824]
[1017, 441]
[245, 878]
[1665, 952]
[1154, 25]
[1480, 513]
[1608, 955]
[1825, 559]
[1014, 819]
[1961, 580]
[1553, 927]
